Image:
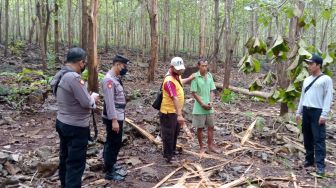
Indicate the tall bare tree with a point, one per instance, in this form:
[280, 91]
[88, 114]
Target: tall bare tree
[6, 27]
[56, 30]
[1, 21]
[201, 47]
[166, 30]
[229, 44]
[92, 48]
[18, 18]
[84, 31]
[69, 3]
[43, 14]
[153, 17]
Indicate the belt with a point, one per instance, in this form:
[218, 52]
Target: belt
[120, 106]
[311, 108]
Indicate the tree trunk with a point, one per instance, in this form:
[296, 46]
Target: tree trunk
[177, 34]
[6, 27]
[216, 38]
[43, 15]
[1, 22]
[143, 31]
[84, 32]
[229, 44]
[106, 26]
[69, 24]
[325, 30]
[56, 30]
[153, 17]
[294, 35]
[201, 43]
[18, 25]
[92, 48]
[166, 31]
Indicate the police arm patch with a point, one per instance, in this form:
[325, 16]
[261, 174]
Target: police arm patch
[82, 82]
[109, 84]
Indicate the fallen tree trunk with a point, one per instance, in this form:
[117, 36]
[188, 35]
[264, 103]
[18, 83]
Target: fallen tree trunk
[246, 91]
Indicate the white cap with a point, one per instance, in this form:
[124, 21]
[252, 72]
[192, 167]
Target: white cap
[177, 63]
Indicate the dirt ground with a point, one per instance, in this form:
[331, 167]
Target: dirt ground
[270, 158]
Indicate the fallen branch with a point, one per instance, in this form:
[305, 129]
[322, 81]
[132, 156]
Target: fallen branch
[248, 132]
[147, 165]
[167, 177]
[235, 182]
[246, 91]
[294, 180]
[300, 147]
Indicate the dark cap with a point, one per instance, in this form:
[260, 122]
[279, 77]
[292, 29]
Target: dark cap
[121, 59]
[315, 59]
[75, 54]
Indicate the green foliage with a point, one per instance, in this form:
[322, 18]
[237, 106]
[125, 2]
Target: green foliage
[22, 84]
[249, 115]
[256, 85]
[260, 123]
[249, 64]
[16, 47]
[255, 45]
[269, 78]
[326, 14]
[51, 56]
[228, 96]
[85, 75]
[279, 48]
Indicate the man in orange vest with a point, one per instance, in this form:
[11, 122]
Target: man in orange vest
[171, 116]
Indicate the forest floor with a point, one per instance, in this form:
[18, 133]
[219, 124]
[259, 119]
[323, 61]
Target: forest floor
[271, 157]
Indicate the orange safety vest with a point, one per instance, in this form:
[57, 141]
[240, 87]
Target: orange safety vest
[167, 105]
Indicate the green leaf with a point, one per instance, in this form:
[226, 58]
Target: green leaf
[326, 14]
[294, 64]
[289, 12]
[303, 74]
[256, 85]
[269, 78]
[313, 22]
[327, 60]
[280, 46]
[304, 52]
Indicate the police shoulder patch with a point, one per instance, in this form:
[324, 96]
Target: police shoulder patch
[109, 84]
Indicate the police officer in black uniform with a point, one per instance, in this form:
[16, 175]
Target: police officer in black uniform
[72, 123]
[114, 116]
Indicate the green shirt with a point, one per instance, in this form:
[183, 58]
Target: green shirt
[203, 88]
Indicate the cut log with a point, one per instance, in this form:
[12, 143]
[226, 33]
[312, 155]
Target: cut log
[246, 91]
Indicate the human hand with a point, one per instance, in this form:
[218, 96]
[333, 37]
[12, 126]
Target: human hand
[95, 96]
[180, 119]
[206, 106]
[192, 76]
[115, 126]
[298, 119]
[322, 120]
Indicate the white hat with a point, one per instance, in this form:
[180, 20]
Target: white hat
[177, 63]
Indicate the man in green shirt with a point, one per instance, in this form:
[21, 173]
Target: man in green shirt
[202, 89]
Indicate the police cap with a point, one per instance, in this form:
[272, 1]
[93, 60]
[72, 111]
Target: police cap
[121, 59]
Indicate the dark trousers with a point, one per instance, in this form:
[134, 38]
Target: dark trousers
[112, 145]
[73, 147]
[169, 132]
[314, 136]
